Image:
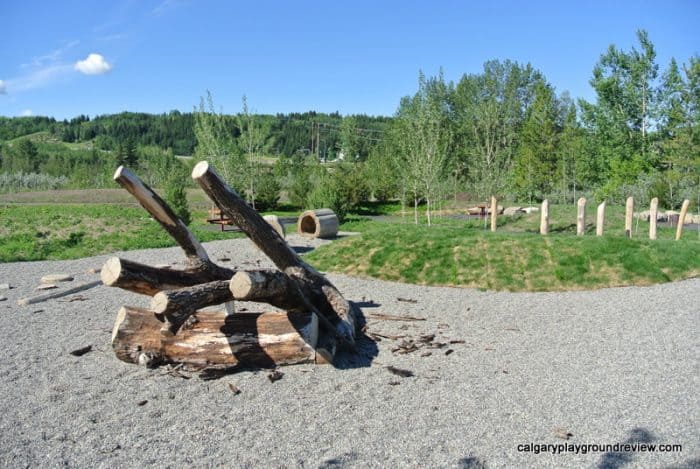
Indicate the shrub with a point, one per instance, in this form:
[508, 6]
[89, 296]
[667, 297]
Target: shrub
[267, 192]
[176, 196]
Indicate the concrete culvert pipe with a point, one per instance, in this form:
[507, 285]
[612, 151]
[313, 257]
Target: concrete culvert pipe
[319, 223]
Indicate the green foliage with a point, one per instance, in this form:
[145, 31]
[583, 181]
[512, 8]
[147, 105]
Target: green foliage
[267, 192]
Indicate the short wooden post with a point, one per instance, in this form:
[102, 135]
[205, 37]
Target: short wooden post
[629, 211]
[581, 217]
[653, 212]
[494, 212]
[600, 219]
[681, 218]
[544, 218]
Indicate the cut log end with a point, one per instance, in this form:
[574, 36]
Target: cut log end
[118, 173]
[121, 316]
[111, 271]
[159, 303]
[200, 169]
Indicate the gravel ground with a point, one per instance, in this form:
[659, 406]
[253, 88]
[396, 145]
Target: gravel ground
[610, 366]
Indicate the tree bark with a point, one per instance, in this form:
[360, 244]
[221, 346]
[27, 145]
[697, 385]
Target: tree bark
[681, 218]
[629, 213]
[315, 287]
[216, 340]
[653, 213]
[319, 223]
[581, 217]
[147, 280]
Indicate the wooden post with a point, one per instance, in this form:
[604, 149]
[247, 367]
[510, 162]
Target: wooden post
[629, 212]
[581, 217]
[544, 218]
[600, 219]
[681, 218]
[653, 212]
[494, 212]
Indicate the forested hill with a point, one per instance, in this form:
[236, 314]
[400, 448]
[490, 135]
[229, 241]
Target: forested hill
[288, 133]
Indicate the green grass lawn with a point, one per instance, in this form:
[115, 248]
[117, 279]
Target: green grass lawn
[37, 232]
[456, 254]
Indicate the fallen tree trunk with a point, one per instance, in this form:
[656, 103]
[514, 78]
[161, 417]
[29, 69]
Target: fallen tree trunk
[315, 287]
[319, 223]
[217, 340]
[147, 280]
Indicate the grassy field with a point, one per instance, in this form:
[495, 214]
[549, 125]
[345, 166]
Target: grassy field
[454, 252]
[70, 231]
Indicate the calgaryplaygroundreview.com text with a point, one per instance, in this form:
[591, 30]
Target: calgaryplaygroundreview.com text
[572, 448]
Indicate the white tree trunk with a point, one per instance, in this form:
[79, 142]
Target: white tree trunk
[581, 217]
[653, 212]
[544, 217]
[600, 219]
[629, 213]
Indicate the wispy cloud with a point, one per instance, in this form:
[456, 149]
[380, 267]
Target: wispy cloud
[3, 87]
[37, 79]
[52, 57]
[94, 64]
[167, 5]
[27, 113]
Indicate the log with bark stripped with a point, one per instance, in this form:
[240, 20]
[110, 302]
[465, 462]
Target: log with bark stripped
[217, 340]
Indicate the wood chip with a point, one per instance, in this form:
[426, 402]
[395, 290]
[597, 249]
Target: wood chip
[48, 286]
[457, 341]
[400, 372]
[224, 259]
[275, 376]
[56, 278]
[562, 433]
[391, 317]
[142, 403]
[407, 300]
[94, 270]
[426, 354]
[81, 351]
[394, 383]
[448, 351]
[234, 389]
[3, 298]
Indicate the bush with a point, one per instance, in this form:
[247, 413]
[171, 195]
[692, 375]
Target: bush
[176, 196]
[267, 192]
[328, 194]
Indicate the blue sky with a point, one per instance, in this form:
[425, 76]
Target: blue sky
[292, 56]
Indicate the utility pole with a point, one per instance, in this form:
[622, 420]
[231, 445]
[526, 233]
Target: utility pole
[318, 139]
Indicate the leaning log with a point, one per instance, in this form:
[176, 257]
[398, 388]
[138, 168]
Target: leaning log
[319, 223]
[213, 340]
[600, 219]
[147, 280]
[314, 286]
[681, 218]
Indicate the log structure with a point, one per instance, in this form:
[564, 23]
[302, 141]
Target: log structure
[315, 320]
[319, 223]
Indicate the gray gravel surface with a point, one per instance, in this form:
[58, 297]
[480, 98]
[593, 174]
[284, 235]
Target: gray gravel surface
[610, 366]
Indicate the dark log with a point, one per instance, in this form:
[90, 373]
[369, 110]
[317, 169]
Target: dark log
[147, 280]
[213, 340]
[315, 287]
[176, 306]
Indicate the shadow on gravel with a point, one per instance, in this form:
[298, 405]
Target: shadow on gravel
[614, 460]
[471, 462]
[366, 349]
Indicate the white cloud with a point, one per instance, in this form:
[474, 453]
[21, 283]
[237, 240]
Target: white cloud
[94, 64]
[3, 87]
[27, 113]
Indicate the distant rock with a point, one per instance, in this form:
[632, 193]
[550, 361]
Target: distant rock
[510, 211]
[531, 209]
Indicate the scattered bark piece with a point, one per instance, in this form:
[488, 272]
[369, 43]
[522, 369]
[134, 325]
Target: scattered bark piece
[81, 351]
[76, 298]
[391, 317]
[3, 298]
[383, 336]
[94, 270]
[56, 278]
[234, 389]
[400, 372]
[448, 351]
[142, 403]
[224, 259]
[394, 383]
[457, 341]
[407, 300]
[426, 354]
[426, 338]
[562, 433]
[275, 375]
[442, 325]
[515, 329]
[47, 286]
[489, 349]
